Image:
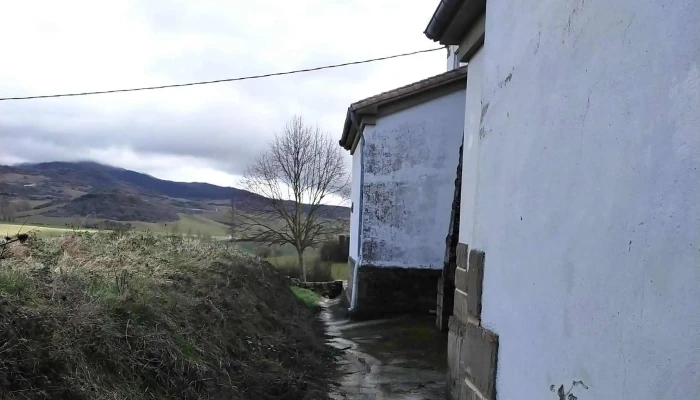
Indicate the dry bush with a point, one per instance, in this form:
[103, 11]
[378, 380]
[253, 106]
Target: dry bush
[136, 316]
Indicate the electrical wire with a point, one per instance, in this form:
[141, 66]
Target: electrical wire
[221, 80]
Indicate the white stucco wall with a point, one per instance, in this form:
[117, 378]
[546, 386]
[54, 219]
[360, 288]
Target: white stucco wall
[472, 118]
[452, 58]
[410, 163]
[588, 200]
[355, 198]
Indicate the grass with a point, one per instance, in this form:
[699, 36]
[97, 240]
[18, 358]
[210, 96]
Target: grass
[291, 259]
[143, 316]
[290, 262]
[339, 271]
[307, 297]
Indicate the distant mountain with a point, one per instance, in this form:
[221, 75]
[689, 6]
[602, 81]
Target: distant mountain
[100, 176]
[65, 189]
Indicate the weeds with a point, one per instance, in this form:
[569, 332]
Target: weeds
[136, 316]
[307, 297]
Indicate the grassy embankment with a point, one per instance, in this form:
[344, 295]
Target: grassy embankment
[140, 316]
[284, 258]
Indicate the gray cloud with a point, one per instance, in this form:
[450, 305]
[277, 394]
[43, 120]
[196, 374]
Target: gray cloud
[209, 133]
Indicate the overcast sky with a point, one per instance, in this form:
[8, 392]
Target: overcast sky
[204, 133]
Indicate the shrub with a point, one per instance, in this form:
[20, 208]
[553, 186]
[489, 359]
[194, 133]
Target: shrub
[263, 251]
[335, 251]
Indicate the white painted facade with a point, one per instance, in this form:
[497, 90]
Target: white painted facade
[584, 193]
[410, 158]
[470, 152]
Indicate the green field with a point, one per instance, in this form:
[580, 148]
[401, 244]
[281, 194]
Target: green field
[9, 229]
[191, 225]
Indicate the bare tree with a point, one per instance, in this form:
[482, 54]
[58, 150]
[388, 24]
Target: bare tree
[301, 172]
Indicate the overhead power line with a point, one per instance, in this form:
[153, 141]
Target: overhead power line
[243, 78]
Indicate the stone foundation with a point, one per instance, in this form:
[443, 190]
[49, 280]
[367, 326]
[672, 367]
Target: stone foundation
[385, 291]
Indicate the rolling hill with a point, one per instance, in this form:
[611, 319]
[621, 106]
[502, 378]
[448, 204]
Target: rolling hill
[56, 192]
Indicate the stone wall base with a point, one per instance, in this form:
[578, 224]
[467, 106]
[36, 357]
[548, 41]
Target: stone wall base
[383, 291]
[472, 355]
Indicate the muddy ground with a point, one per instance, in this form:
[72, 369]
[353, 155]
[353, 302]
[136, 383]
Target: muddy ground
[398, 358]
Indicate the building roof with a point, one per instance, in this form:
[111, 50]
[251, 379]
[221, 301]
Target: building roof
[371, 105]
[452, 19]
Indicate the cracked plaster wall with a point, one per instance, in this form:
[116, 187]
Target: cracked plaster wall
[588, 197]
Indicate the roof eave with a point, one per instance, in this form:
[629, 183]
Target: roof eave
[452, 19]
[441, 19]
[349, 130]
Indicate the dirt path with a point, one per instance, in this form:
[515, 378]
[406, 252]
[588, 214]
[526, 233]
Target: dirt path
[399, 358]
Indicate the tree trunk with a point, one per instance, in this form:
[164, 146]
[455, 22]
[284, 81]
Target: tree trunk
[302, 265]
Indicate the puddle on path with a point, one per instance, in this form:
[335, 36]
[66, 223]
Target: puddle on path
[398, 358]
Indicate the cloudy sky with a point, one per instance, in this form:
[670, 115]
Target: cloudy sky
[204, 133]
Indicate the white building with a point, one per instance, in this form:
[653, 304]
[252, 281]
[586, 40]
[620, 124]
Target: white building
[404, 147]
[580, 199]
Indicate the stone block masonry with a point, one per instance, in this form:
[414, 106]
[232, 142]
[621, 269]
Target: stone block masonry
[472, 349]
[385, 291]
[472, 356]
